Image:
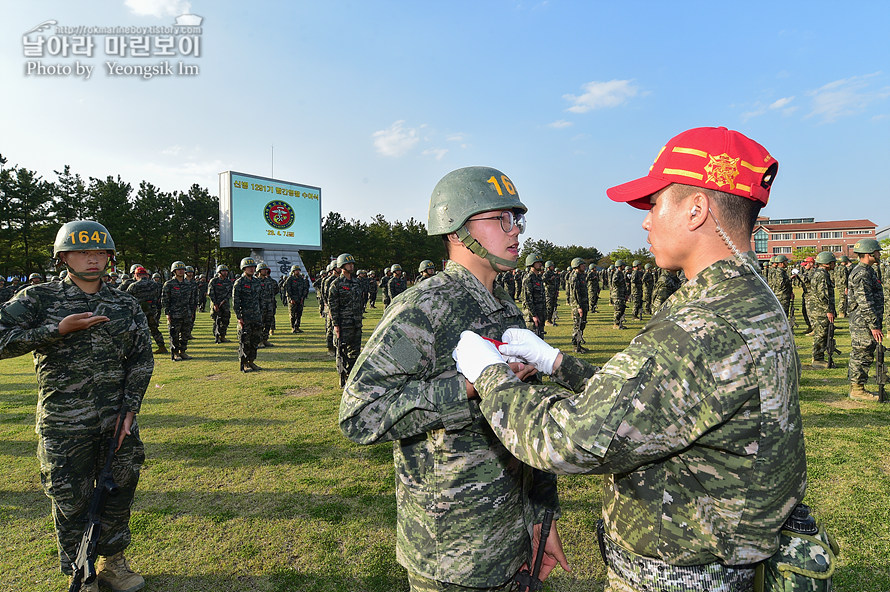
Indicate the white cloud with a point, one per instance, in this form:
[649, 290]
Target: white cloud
[395, 141]
[438, 153]
[172, 151]
[599, 95]
[159, 8]
[778, 104]
[844, 97]
[458, 137]
[560, 124]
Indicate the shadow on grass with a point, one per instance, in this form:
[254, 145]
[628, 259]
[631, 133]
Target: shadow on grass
[380, 579]
[19, 447]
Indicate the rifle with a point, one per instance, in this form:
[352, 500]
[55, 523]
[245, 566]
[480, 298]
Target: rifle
[529, 582]
[832, 346]
[84, 564]
[881, 374]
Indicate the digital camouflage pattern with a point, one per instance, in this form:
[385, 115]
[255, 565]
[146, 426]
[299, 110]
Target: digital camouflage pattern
[246, 296]
[396, 286]
[820, 302]
[176, 299]
[803, 563]
[296, 287]
[84, 378]
[618, 295]
[576, 290]
[648, 286]
[636, 292]
[665, 286]
[865, 305]
[268, 304]
[593, 289]
[148, 294]
[465, 504]
[840, 274]
[783, 289]
[345, 303]
[534, 301]
[219, 290]
[551, 292]
[696, 424]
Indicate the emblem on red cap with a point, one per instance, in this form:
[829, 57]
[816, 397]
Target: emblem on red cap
[722, 170]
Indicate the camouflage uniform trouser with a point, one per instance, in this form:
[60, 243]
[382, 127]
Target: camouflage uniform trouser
[552, 300]
[421, 584]
[179, 334]
[592, 299]
[620, 307]
[190, 325]
[840, 297]
[862, 352]
[68, 469]
[221, 320]
[296, 313]
[530, 322]
[579, 323]
[820, 336]
[787, 304]
[637, 299]
[803, 313]
[372, 298]
[647, 300]
[250, 333]
[329, 332]
[156, 334]
[268, 322]
[349, 345]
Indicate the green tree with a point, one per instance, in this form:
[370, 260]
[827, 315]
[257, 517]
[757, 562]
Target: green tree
[196, 213]
[69, 197]
[109, 204]
[27, 231]
[153, 210]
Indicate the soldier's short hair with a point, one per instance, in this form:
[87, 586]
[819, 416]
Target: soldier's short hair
[737, 215]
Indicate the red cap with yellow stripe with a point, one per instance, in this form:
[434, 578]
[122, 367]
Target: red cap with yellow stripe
[708, 157]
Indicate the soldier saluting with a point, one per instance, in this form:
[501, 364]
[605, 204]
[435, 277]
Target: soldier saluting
[92, 352]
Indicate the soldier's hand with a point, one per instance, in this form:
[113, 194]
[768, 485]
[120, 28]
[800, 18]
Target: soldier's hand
[553, 553]
[79, 322]
[125, 431]
[521, 370]
[337, 332]
[831, 317]
[878, 335]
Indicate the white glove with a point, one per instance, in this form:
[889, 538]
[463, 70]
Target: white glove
[523, 344]
[474, 354]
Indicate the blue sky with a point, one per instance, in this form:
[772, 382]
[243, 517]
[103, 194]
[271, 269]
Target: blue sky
[375, 101]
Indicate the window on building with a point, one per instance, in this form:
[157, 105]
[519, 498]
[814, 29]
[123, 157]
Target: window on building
[805, 235]
[833, 234]
[859, 232]
[761, 238]
[782, 236]
[781, 250]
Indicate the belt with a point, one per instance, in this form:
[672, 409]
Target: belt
[654, 575]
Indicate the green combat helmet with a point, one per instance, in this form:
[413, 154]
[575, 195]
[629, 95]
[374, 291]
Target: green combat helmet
[424, 265]
[189, 269]
[248, 262]
[395, 267]
[35, 276]
[532, 259]
[387, 270]
[844, 259]
[222, 267]
[133, 267]
[825, 257]
[84, 235]
[549, 264]
[781, 259]
[294, 268]
[465, 192]
[345, 258]
[647, 266]
[177, 265]
[619, 263]
[866, 246]
[261, 266]
[576, 263]
[636, 263]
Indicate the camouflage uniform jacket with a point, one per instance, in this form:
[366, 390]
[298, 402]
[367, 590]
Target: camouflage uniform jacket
[866, 301]
[782, 285]
[593, 283]
[820, 292]
[148, 293]
[396, 286]
[667, 284]
[464, 502]
[696, 424]
[551, 283]
[618, 287]
[268, 291]
[534, 300]
[246, 296]
[177, 298]
[219, 290]
[576, 290]
[83, 377]
[296, 287]
[383, 283]
[6, 293]
[345, 302]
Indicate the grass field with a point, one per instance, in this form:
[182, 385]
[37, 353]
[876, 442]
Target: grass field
[249, 485]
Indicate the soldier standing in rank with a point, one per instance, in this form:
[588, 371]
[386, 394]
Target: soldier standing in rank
[92, 353]
[148, 294]
[6, 292]
[648, 285]
[518, 275]
[618, 294]
[636, 289]
[593, 288]
[219, 289]
[803, 279]
[268, 294]
[177, 300]
[426, 269]
[326, 285]
[202, 292]
[782, 285]
[398, 283]
[576, 292]
[866, 310]
[820, 294]
[534, 301]
[193, 308]
[128, 278]
[509, 283]
[841, 273]
[319, 280]
[696, 424]
[246, 303]
[372, 289]
[296, 288]
[387, 275]
[363, 282]
[667, 284]
[345, 304]
[551, 290]
[465, 506]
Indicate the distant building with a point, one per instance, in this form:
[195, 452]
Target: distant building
[786, 236]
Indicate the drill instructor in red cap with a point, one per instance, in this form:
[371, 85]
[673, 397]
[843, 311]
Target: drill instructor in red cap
[696, 424]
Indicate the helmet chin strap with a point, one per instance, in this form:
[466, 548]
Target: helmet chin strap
[471, 243]
[89, 276]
